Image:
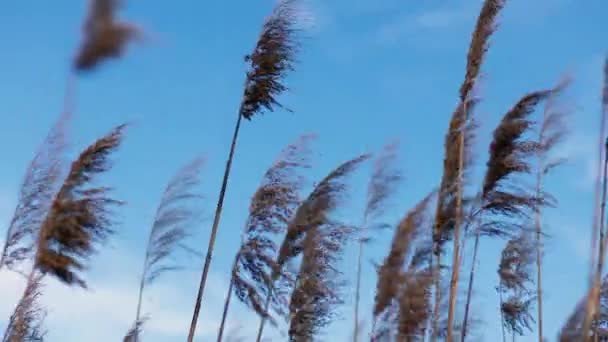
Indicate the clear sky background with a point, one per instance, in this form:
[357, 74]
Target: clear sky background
[370, 72]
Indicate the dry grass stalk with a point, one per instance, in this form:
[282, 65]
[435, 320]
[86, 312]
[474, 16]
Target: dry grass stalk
[318, 283]
[515, 273]
[447, 197]
[272, 58]
[272, 206]
[104, 36]
[383, 183]
[313, 212]
[406, 316]
[444, 224]
[80, 216]
[175, 216]
[552, 133]
[595, 272]
[39, 184]
[504, 203]
[458, 156]
[602, 243]
[486, 23]
[444, 315]
[177, 212]
[360, 335]
[405, 236]
[384, 180]
[450, 202]
[26, 323]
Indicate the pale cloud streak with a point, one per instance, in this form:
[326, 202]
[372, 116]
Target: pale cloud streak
[107, 311]
[581, 147]
[426, 22]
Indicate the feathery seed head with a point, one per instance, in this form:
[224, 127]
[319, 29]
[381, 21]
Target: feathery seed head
[104, 36]
[272, 58]
[485, 27]
[79, 217]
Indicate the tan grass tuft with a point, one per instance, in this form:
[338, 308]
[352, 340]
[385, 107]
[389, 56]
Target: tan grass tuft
[486, 25]
[39, 184]
[79, 217]
[320, 239]
[384, 181]
[271, 59]
[272, 207]
[318, 284]
[415, 305]
[104, 36]
[175, 216]
[26, 323]
[403, 242]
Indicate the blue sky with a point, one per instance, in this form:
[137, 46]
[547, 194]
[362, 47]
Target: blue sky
[369, 72]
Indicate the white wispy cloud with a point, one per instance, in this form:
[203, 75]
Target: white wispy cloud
[426, 21]
[107, 311]
[581, 146]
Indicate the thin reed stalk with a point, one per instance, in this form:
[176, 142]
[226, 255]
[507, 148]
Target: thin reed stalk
[600, 262]
[174, 218]
[271, 207]
[552, 133]
[318, 286]
[314, 211]
[27, 322]
[214, 228]
[538, 228]
[454, 164]
[393, 291]
[447, 199]
[595, 275]
[383, 183]
[502, 317]
[404, 239]
[356, 329]
[38, 187]
[270, 61]
[503, 203]
[437, 295]
[456, 250]
[227, 301]
[465, 320]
